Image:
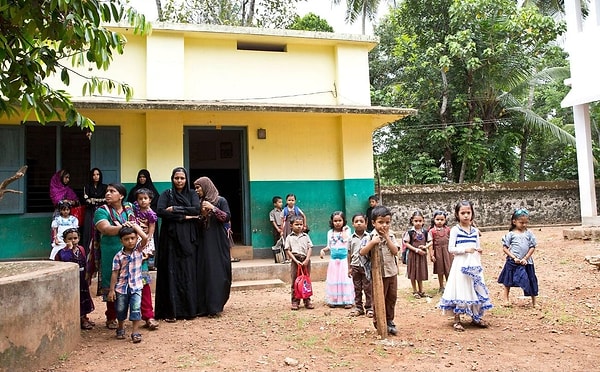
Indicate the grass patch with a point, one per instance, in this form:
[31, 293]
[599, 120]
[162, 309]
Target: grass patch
[340, 364]
[187, 361]
[64, 357]
[309, 342]
[329, 350]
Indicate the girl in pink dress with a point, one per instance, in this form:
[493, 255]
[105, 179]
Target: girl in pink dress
[339, 286]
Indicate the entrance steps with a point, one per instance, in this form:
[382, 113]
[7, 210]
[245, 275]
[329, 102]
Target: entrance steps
[265, 273]
[242, 285]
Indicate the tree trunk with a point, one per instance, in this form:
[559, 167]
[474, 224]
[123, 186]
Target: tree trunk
[159, 10]
[448, 169]
[250, 18]
[470, 119]
[377, 179]
[526, 135]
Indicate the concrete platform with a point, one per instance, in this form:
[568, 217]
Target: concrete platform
[256, 284]
[260, 270]
[582, 233]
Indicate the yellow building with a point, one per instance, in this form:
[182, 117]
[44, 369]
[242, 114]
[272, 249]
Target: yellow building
[261, 112]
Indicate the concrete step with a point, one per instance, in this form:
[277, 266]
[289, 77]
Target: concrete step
[264, 269]
[256, 284]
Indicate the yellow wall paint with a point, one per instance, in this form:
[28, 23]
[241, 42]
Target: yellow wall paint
[356, 148]
[166, 78]
[133, 138]
[352, 76]
[216, 70]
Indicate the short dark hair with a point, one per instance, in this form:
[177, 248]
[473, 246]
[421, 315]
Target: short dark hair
[142, 191]
[296, 217]
[374, 197]
[126, 230]
[276, 198]
[359, 215]
[70, 231]
[380, 211]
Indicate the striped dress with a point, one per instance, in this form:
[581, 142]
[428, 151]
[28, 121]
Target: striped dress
[465, 292]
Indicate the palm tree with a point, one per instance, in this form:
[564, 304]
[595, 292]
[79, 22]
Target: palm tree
[363, 8]
[159, 10]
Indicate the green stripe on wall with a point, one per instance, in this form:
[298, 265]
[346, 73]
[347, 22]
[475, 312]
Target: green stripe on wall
[27, 236]
[317, 199]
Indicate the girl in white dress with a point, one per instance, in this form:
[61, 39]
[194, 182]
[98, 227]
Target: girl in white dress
[465, 292]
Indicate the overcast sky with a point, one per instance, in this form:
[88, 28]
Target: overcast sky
[323, 8]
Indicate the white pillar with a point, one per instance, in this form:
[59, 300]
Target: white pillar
[585, 165]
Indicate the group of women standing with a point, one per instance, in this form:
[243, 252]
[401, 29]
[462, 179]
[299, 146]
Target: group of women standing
[192, 257]
[194, 263]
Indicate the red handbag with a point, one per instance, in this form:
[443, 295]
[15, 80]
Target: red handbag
[302, 284]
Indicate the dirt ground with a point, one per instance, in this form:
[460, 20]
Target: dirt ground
[258, 332]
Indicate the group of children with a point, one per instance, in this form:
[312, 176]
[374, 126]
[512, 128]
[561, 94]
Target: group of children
[455, 253]
[130, 280]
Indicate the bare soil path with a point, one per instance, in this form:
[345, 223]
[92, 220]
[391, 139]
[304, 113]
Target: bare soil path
[258, 332]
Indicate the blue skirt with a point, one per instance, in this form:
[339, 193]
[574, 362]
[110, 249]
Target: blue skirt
[514, 275]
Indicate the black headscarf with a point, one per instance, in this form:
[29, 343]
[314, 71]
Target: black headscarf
[95, 191]
[182, 197]
[148, 185]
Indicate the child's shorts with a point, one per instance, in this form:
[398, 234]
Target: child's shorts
[131, 300]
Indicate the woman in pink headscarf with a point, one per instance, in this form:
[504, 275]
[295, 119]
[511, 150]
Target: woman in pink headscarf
[60, 190]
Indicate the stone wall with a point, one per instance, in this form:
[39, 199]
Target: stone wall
[39, 319]
[549, 203]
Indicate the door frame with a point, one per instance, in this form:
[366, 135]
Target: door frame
[244, 179]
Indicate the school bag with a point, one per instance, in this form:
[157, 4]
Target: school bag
[297, 213]
[411, 234]
[302, 284]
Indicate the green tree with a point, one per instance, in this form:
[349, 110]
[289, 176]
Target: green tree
[37, 38]
[460, 63]
[365, 9]
[310, 22]
[257, 13]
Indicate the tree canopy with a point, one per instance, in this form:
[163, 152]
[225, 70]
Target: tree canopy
[480, 72]
[254, 13]
[310, 22]
[40, 38]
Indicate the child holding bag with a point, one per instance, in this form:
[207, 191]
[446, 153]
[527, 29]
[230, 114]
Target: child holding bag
[298, 247]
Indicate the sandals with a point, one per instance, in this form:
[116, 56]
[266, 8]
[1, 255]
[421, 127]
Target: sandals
[136, 338]
[416, 295]
[369, 313]
[309, 305]
[235, 259]
[480, 324]
[348, 306]
[170, 320]
[424, 295]
[151, 324]
[121, 334]
[112, 324]
[295, 306]
[90, 321]
[85, 324]
[356, 312]
[458, 327]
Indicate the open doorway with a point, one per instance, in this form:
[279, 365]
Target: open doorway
[219, 155]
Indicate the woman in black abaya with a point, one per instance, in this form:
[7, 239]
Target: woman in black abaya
[214, 270]
[177, 254]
